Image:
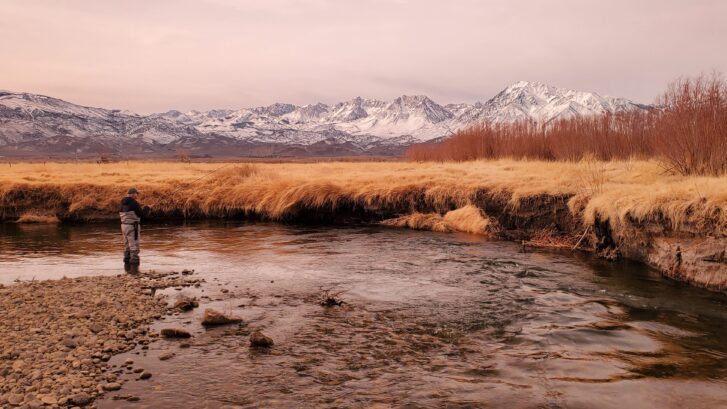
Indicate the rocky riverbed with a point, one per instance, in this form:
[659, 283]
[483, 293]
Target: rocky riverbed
[58, 336]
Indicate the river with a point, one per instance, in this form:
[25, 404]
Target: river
[429, 320]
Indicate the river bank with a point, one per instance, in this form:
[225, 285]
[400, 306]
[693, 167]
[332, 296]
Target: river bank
[628, 209]
[59, 335]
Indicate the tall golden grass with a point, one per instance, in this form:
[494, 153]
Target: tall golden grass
[687, 134]
[624, 192]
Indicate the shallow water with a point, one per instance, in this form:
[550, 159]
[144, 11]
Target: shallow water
[430, 320]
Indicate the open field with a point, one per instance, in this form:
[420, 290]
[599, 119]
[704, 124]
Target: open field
[620, 208]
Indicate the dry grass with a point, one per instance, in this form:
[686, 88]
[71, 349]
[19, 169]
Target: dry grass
[621, 191]
[468, 219]
[31, 217]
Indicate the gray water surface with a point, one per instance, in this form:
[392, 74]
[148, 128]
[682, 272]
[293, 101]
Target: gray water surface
[430, 320]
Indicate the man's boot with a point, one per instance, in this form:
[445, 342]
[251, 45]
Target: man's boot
[133, 268]
[127, 257]
[134, 262]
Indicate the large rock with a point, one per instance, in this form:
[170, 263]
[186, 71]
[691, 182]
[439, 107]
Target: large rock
[260, 340]
[185, 303]
[112, 386]
[214, 317]
[175, 333]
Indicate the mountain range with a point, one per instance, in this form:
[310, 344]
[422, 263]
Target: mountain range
[37, 125]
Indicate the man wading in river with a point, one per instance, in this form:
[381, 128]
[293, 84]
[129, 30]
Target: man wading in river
[130, 213]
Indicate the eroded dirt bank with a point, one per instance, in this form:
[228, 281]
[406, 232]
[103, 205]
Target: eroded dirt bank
[687, 245]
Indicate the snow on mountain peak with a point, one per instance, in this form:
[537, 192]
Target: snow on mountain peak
[528, 100]
[360, 123]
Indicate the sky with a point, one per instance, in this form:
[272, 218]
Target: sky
[152, 56]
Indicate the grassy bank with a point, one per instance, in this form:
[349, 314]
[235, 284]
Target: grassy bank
[620, 191]
[615, 207]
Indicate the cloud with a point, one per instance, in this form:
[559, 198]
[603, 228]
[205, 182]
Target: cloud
[154, 56]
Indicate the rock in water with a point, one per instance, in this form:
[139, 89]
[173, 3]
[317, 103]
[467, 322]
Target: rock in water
[113, 386]
[145, 375]
[166, 355]
[186, 303]
[214, 317]
[260, 340]
[175, 333]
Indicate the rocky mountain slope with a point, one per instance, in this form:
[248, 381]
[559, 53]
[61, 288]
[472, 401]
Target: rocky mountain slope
[36, 125]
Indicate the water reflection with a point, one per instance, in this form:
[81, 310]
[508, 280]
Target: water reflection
[431, 320]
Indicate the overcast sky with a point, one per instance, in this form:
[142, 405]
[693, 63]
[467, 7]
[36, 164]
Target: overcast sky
[150, 56]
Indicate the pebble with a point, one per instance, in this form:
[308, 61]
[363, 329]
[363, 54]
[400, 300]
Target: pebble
[145, 375]
[166, 355]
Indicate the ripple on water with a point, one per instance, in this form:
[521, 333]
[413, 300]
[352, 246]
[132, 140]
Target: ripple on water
[430, 320]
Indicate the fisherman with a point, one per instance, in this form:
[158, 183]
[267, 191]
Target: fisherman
[131, 213]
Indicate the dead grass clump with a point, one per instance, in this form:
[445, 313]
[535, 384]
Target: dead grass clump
[549, 238]
[467, 219]
[37, 218]
[420, 221]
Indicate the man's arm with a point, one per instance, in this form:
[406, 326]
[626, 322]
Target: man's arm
[136, 208]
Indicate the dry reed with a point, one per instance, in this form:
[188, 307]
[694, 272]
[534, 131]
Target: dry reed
[687, 134]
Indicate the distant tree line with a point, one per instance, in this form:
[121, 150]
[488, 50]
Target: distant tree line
[686, 131]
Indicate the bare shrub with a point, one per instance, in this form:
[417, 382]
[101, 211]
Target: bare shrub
[687, 133]
[183, 155]
[691, 132]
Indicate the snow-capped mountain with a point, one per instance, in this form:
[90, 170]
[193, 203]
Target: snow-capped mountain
[35, 124]
[544, 103]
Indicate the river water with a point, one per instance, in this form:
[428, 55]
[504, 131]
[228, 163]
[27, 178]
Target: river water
[430, 320]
